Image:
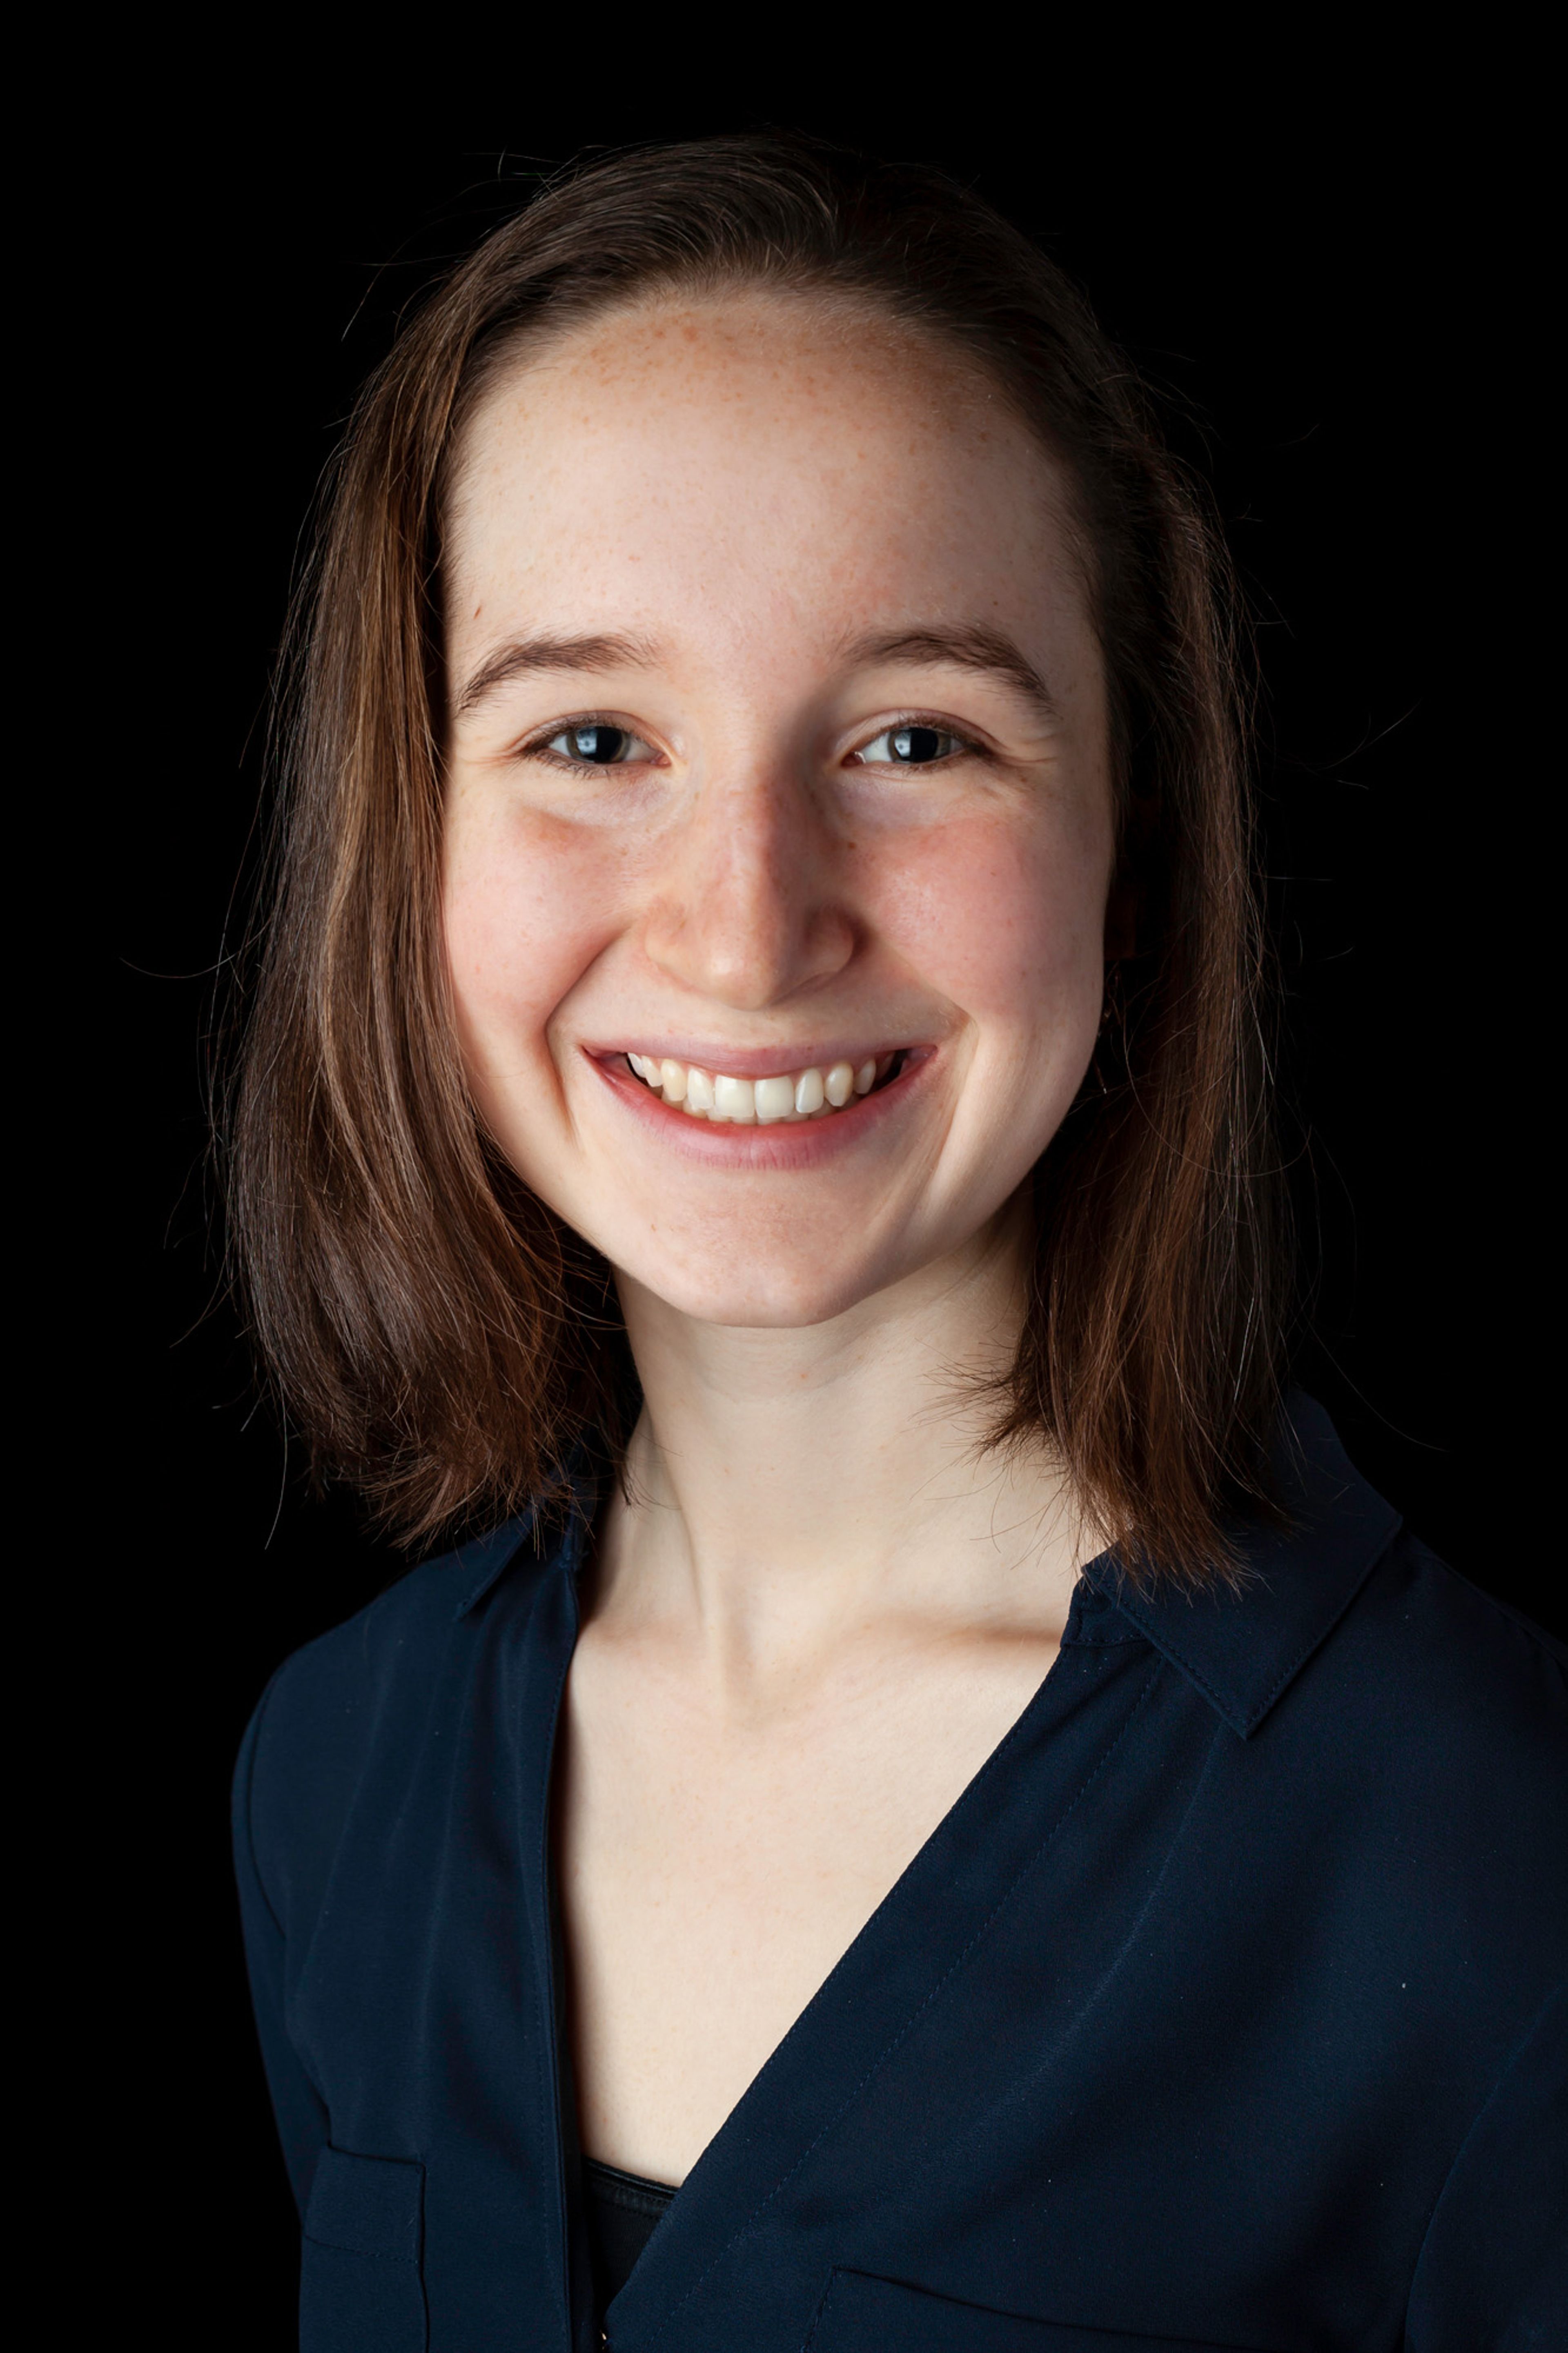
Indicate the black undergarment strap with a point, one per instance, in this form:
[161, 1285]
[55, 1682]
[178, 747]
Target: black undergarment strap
[622, 2210]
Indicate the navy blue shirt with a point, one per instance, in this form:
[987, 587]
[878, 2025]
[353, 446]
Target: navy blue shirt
[1223, 2009]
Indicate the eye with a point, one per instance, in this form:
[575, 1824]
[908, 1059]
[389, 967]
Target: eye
[910, 746]
[595, 743]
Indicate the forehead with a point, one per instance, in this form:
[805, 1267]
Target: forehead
[746, 450]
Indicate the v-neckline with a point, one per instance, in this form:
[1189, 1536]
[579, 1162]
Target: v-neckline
[774, 2124]
[576, 1556]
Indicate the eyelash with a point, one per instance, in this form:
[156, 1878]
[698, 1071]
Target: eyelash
[964, 746]
[537, 747]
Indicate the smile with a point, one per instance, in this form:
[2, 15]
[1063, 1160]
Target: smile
[792, 1095]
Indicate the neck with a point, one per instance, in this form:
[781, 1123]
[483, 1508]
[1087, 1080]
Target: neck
[789, 1486]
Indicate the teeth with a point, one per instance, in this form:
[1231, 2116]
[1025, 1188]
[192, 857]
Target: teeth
[735, 1099]
[747, 1102]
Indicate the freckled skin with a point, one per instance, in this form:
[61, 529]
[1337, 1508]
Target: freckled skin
[751, 485]
[818, 1605]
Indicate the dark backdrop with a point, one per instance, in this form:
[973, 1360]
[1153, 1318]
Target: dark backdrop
[1341, 319]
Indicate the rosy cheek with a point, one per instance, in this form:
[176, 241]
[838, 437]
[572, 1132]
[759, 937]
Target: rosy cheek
[1001, 918]
[529, 902]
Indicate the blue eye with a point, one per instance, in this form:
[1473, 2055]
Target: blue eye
[909, 748]
[596, 744]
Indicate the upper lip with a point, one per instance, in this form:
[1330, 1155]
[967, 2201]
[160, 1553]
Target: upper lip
[750, 1061]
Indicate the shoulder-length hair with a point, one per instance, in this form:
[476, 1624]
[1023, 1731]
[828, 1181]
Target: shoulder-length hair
[440, 1338]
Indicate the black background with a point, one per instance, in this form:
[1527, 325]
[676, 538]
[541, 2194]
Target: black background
[1340, 316]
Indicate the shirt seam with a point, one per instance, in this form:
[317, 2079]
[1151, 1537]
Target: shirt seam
[1515, 2053]
[821, 2313]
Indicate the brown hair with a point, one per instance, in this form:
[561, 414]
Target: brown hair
[437, 1334]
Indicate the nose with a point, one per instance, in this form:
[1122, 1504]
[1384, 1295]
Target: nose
[748, 907]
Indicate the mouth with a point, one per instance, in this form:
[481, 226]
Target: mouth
[816, 1091]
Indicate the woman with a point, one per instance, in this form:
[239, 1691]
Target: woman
[945, 1814]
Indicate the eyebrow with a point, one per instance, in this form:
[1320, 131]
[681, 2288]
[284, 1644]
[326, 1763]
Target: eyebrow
[521, 655]
[972, 647]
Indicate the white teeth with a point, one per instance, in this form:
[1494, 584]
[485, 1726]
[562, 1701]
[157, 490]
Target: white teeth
[745, 1102]
[735, 1099]
[774, 1099]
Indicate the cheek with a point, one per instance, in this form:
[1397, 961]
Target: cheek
[527, 906]
[1006, 919]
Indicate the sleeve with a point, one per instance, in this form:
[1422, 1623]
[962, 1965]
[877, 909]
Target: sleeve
[301, 2113]
[1494, 2269]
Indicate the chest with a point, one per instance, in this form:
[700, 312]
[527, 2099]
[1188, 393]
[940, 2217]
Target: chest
[715, 1866]
[1067, 2010]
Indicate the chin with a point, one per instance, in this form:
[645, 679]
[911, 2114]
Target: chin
[762, 1298]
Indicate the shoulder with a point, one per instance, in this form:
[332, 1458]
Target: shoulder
[366, 1689]
[1418, 1772]
[1435, 1649]
[1389, 1706]
[329, 1690]
[1340, 1612]
[1420, 1762]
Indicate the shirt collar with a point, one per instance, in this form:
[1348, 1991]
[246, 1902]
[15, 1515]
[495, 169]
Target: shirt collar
[1239, 1647]
[1243, 1647]
[484, 1560]
[557, 1527]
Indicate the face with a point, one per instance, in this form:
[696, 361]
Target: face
[778, 827]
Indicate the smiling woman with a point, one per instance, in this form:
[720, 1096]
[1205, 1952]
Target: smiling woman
[746, 336]
[848, 840]
[758, 1073]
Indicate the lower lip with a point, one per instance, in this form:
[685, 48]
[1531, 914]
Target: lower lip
[784, 1143]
